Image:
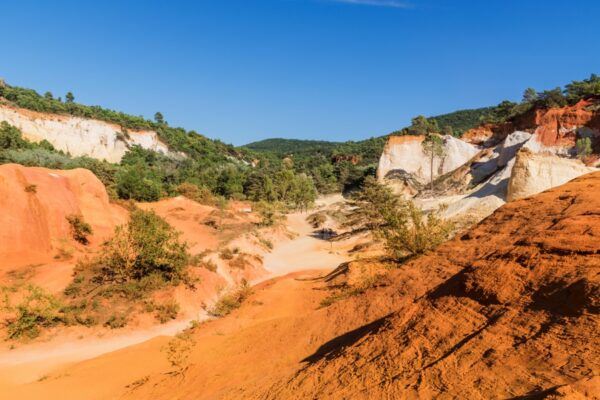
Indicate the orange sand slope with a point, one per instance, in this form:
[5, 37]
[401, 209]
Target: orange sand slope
[507, 309]
[35, 203]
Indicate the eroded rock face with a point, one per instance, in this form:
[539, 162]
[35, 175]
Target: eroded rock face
[533, 173]
[35, 203]
[560, 126]
[406, 154]
[80, 136]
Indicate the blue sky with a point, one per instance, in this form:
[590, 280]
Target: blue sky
[244, 70]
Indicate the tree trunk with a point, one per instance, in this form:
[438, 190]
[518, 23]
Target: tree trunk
[431, 170]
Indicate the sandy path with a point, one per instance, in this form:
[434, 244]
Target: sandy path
[304, 252]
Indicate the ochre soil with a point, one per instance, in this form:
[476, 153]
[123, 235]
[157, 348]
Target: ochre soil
[508, 309]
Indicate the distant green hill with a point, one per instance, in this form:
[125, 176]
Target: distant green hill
[462, 120]
[290, 146]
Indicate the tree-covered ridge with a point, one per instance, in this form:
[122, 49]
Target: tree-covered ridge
[178, 139]
[507, 110]
[289, 146]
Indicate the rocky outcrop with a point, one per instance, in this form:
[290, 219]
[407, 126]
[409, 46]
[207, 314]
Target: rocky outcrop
[533, 173]
[405, 154]
[80, 136]
[561, 126]
[35, 203]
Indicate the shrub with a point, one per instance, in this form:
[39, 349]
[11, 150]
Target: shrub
[239, 262]
[166, 312]
[583, 147]
[37, 309]
[226, 254]
[231, 300]
[147, 246]
[79, 228]
[200, 260]
[316, 219]
[197, 193]
[270, 213]
[116, 321]
[410, 233]
[138, 182]
[11, 137]
[31, 189]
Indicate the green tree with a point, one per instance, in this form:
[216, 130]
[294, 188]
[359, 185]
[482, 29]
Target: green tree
[48, 96]
[433, 146]
[420, 125]
[587, 88]
[69, 97]
[448, 130]
[138, 182]
[406, 230]
[11, 137]
[158, 118]
[583, 147]
[530, 95]
[551, 98]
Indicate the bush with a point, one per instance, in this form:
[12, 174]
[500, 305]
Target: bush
[138, 182]
[583, 147]
[166, 312]
[200, 260]
[316, 219]
[226, 254]
[80, 230]
[193, 192]
[11, 137]
[31, 188]
[147, 246]
[116, 321]
[38, 309]
[231, 300]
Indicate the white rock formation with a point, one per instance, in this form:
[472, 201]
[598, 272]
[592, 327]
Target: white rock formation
[79, 136]
[533, 173]
[511, 145]
[405, 153]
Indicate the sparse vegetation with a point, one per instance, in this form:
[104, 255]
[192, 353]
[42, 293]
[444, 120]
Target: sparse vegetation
[231, 300]
[116, 321]
[37, 309]
[201, 261]
[80, 230]
[226, 254]
[167, 311]
[31, 189]
[366, 280]
[178, 351]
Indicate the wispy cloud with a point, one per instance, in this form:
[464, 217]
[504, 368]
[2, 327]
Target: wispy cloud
[377, 3]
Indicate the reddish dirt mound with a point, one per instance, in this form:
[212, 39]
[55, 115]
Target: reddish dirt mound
[35, 203]
[517, 316]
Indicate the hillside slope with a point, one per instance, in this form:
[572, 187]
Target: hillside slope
[516, 313]
[509, 309]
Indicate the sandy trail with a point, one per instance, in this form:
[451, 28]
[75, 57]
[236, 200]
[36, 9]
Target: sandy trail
[304, 252]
